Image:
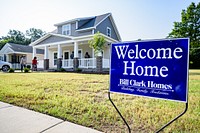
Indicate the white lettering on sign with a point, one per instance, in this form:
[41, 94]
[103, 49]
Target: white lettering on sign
[130, 67]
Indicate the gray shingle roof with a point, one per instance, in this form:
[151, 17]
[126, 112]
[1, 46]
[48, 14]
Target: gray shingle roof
[24, 48]
[87, 22]
[92, 22]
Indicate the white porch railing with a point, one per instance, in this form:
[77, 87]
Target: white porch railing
[83, 63]
[67, 63]
[106, 63]
[91, 63]
[87, 63]
[16, 66]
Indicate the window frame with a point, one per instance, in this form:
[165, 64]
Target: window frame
[55, 59]
[65, 29]
[107, 31]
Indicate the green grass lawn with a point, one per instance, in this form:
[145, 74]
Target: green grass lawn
[83, 99]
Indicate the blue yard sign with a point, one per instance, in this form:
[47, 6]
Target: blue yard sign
[157, 68]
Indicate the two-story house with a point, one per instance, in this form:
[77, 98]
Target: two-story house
[70, 41]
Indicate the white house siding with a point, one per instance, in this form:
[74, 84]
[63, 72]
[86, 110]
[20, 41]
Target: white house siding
[50, 55]
[68, 48]
[85, 48]
[40, 57]
[29, 57]
[106, 54]
[4, 52]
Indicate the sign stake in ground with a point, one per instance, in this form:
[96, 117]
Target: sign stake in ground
[153, 68]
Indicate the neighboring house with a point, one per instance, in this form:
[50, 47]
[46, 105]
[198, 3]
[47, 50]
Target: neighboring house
[13, 52]
[71, 37]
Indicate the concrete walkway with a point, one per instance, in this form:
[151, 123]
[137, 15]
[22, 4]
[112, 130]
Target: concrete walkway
[15, 119]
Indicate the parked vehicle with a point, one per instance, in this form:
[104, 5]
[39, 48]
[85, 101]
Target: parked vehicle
[5, 66]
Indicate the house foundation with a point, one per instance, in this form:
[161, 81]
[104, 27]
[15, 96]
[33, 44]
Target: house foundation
[99, 63]
[75, 64]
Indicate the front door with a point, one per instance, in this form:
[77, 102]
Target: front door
[66, 57]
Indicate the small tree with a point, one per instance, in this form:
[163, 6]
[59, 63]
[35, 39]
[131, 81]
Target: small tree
[97, 43]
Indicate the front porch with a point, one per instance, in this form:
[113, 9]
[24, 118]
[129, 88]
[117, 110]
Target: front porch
[83, 63]
[14, 59]
[61, 51]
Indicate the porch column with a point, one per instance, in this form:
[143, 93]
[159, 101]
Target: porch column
[46, 58]
[34, 52]
[93, 56]
[75, 50]
[59, 59]
[75, 61]
[7, 58]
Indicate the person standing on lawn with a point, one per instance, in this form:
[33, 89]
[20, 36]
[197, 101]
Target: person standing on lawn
[34, 64]
[23, 63]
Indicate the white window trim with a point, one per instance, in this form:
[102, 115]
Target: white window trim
[53, 57]
[108, 28]
[69, 29]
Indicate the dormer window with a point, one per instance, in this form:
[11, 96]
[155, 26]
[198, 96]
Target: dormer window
[108, 32]
[66, 29]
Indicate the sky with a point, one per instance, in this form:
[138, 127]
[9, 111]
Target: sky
[135, 19]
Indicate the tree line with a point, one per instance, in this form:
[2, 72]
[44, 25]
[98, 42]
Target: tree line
[190, 27]
[18, 37]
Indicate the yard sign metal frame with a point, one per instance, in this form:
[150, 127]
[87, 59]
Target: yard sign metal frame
[143, 85]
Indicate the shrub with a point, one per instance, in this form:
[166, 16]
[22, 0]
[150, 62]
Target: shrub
[62, 70]
[78, 70]
[194, 58]
[29, 66]
[26, 70]
[11, 70]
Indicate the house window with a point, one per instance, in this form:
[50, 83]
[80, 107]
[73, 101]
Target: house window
[55, 58]
[1, 58]
[108, 32]
[5, 57]
[66, 55]
[66, 29]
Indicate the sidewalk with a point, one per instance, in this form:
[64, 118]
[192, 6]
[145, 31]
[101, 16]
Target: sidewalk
[15, 119]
